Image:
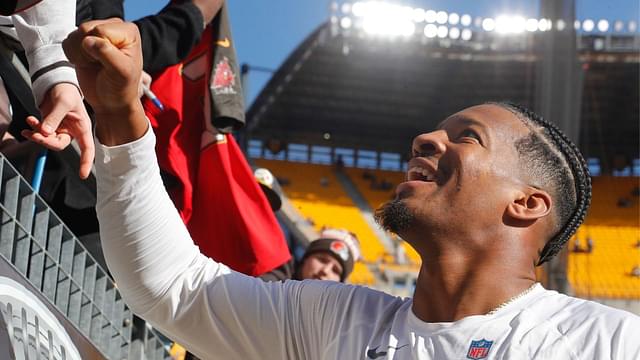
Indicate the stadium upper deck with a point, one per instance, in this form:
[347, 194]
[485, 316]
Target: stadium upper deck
[343, 87]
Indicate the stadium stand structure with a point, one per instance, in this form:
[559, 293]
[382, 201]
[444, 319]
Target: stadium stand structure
[375, 94]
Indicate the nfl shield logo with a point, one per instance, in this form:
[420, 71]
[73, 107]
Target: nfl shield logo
[479, 349]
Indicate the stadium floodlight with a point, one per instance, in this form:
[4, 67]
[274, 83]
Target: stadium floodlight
[406, 12]
[346, 8]
[442, 31]
[454, 19]
[465, 20]
[454, 33]
[603, 25]
[430, 31]
[531, 25]
[560, 25]
[466, 34]
[576, 25]
[379, 18]
[442, 17]
[430, 16]
[618, 26]
[488, 24]
[407, 28]
[544, 24]
[418, 15]
[633, 26]
[346, 22]
[510, 24]
[358, 9]
[588, 25]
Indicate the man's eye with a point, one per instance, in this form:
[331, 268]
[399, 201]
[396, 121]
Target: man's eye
[468, 133]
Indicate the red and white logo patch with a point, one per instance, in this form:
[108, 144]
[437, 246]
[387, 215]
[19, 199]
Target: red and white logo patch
[223, 78]
[340, 249]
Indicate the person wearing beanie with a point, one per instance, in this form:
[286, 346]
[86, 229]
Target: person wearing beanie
[330, 257]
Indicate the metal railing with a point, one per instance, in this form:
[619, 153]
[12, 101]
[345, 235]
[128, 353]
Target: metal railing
[41, 247]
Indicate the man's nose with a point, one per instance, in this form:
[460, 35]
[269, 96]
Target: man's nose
[430, 144]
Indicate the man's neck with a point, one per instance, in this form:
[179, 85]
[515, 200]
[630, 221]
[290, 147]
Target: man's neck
[451, 287]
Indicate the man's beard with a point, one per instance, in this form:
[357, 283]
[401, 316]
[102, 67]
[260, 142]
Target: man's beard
[394, 216]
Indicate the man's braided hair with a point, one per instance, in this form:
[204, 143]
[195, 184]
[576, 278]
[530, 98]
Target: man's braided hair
[556, 165]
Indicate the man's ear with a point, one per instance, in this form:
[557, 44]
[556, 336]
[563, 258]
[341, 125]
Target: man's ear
[530, 204]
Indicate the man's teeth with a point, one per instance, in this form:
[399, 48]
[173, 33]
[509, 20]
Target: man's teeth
[426, 174]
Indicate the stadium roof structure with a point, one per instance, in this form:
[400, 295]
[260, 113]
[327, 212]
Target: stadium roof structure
[342, 88]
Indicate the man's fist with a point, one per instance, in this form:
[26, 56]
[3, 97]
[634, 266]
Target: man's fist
[108, 59]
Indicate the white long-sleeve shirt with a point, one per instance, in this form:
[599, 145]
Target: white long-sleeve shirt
[220, 314]
[41, 30]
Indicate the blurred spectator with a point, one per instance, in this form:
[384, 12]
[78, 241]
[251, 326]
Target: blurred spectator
[624, 202]
[38, 32]
[283, 181]
[330, 257]
[577, 247]
[589, 245]
[385, 185]
[324, 182]
[270, 187]
[399, 252]
[339, 165]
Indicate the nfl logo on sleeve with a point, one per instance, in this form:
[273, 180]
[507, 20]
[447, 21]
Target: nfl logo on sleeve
[479, 349]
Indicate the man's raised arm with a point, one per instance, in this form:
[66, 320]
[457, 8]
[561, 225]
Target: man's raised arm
[160, 272]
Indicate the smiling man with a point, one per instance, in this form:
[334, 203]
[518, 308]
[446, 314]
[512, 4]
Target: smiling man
[492, 192]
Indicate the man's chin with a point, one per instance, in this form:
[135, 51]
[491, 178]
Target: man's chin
[394, 216]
